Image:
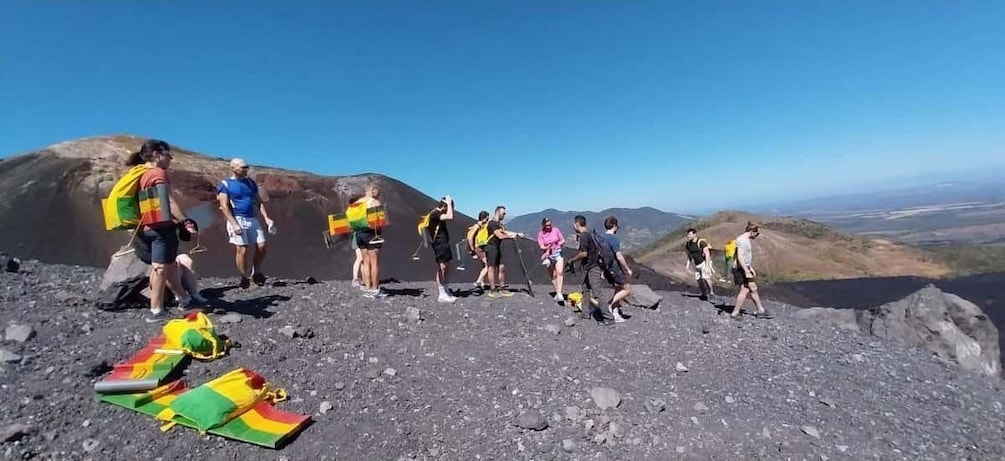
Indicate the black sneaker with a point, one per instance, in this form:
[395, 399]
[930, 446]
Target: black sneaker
[606, 323]
[244, 283]
[258, 278]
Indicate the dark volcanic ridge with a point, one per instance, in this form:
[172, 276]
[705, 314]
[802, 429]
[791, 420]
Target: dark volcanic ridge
[59, 187]
[516, 378]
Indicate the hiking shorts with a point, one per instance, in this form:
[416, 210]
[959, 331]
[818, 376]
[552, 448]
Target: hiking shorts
[442, 251]
[363, 238]
[251, 231]
[163, 244]
[703, 271]
[740, 277]
[493, 255]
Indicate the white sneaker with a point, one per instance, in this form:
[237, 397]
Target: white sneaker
[559, 298]
[355, 283]
[445, 298]
[617, 316]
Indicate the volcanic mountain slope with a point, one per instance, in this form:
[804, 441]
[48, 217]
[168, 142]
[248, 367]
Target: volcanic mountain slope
[793, 250]
[514, 379]
[52, 212]
[639, 226]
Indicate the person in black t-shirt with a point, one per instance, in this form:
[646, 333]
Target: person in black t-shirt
[493, 254]
[439, 237]
[593, 277]
[699, 255]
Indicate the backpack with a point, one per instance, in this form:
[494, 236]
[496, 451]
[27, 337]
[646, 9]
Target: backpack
[122, 294]
[424, 224]
[356, 214]
[195, 335]
[607, 259]
[122, 206]
[221, 400]
[730, 249]
[482, 237]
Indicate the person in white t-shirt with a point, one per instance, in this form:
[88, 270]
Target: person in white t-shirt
[743, 272]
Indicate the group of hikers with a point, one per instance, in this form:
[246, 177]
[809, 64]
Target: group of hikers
[605, 273]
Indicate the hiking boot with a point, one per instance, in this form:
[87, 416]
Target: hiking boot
[244, 283]
[159, 316]
[258, 278]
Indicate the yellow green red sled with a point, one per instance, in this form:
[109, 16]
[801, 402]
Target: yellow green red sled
[237, 405]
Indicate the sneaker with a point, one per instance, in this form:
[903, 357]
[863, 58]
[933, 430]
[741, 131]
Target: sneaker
[369, 294]
[606, 323]
[355, 284]
[617, 316]
[559, 298]
[380, 293]
[159, 316]
[244, 283]
[198, 299]
[258, 278]
[185, 304]
[445, 298]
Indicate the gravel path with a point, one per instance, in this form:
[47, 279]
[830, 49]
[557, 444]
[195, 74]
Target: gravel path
[491, 379]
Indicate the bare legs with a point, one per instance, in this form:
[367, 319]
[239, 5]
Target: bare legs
[741, 297]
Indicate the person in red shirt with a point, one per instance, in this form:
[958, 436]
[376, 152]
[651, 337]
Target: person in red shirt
[158, 226]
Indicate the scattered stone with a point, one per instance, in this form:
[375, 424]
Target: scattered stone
[325, 407]
[680, 450]
[231, 318]
[86, 423]
[655, 405]
[568, 445]
[811, 431]
[532, 420]
[339, 386]
[390, 372]
[828, 402]
[577, 334]
[19, 333]
[14, 432]
[842, 448]
[91, 445]
[413, 314]
[372, 374]
[730, 399]
[605, 397]
[570, 322]
[572, 413]
[9, 357]
[553, 329]
[765, 433]
[681, 368]
[700, 407]
[288, 331]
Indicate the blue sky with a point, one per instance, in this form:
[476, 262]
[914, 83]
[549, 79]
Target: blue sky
[543, 104]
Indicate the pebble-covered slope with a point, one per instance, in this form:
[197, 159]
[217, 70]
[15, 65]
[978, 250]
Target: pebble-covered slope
[495, 379]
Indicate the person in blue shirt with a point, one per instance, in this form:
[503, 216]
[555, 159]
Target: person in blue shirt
[620, 278]
[238, 196]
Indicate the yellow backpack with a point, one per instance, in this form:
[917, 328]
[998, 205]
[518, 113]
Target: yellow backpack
[424, 223]
[122, 206]
[482, 237]
[730, 249]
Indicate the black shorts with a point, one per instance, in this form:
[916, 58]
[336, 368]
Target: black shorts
[363, 238]
[442, 251]
[493, 255]
[740, 277]
[163, 244]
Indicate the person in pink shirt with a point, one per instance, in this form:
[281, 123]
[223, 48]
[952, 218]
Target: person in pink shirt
[551, 240]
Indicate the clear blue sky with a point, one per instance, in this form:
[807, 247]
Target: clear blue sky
[535, 104]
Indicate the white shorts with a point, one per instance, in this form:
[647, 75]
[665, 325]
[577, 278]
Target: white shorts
[251, 230]
[703, 271]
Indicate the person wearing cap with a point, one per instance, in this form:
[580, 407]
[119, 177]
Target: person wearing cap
[238, 195]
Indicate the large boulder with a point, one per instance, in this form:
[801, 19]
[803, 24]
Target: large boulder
[9, 263]
[122, 268]
[951, 327]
